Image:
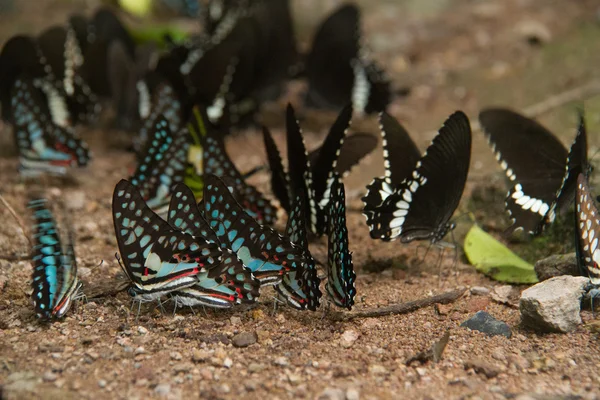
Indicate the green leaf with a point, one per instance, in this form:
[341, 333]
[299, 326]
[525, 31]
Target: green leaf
[492, 258]
[156, 34]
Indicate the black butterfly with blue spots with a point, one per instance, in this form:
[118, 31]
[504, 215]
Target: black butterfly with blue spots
[157, 258]
[55, 283]
[340, 270]
[227, 284]
[163, 164]
[265, 252]
[43, 146]
[300, 289]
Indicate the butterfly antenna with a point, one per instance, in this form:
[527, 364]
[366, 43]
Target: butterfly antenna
[439, 266]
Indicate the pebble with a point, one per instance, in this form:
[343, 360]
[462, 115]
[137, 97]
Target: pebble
[332, 394]
[484, 322]
[75, 200]
[141, 330]
[244, 339]
[49, 376]
[140, 350]
[228, 363]
[348, 338]
[482, 367]
[533, 31]
[352, 394]
[235, 320]
[175, 355]
[377, 369]
[200, 355]
[162, 389]
[554, 304]
[255, 367]
[102, 383]
[19, 382]
[480, 291]
[206, 374]
[281, 361]
[182, 367]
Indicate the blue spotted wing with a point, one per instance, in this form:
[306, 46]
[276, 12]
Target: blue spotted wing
[43, 146]
[163, 165]
[55, 283]
[420, 207]
[340, 270]
[222, 286]
[541, 171]
[300, 288]
[266, 253]
[156, 257]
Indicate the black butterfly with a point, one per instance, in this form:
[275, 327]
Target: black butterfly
[43, 146]
[312, 174]
[340, 270]
[217, 162]
[227, 284]
[266, 253]
[157, 258]
[55, 283]
[338, 70]
[542, 172]
[163, 164]
[415, 202]
[300, 288]
[588, 231]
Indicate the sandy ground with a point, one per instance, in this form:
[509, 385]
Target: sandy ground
[453, 54]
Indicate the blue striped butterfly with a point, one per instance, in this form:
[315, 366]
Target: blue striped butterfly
[43, 146]
[157, 258]
[300, 288]
[340, 271]
[55, 283]
[266, 253]
[223, 286]
[163, 165]
[217, 162]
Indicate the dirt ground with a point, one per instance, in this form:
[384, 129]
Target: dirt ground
[453, 54]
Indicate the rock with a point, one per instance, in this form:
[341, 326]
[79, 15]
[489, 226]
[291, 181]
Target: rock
[348, 338]
[557, 265]
[102, 383]
[480, 291]
[482, 367]
[244, 339]
[235, 320]
[200, 355]
[141, 330]
[162, 389]
[502, 294]
[485, 323]
[352, 394]
[332, 394]
[49, 376]
[175, 355]
[19, 383]
[75, 200]
[554, 304]
[228, 362]
[377, 369]
[534, 32]
[281, 361]
[255, 367]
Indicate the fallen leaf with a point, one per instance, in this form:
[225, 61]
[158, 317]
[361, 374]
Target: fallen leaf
[492, 258]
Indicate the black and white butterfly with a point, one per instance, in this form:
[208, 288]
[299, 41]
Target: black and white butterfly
[339, 70]
[415, 201]
[540, 169]
[311, 174]
[588, 231]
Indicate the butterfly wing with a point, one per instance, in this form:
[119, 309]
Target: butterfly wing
[588, 229]
[534, 161]
[340, 270]
[421, 206]
[224, 285]
[164, 102]
[354, 149]
[279, 178]
[400, 155]
[266, 253]
[300, 288]
[156, 257]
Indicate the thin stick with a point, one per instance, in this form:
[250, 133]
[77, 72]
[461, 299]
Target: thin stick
[402, 308]
[16, 217]
[16, 257]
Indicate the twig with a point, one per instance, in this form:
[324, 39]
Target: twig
[16, 257]
[16, 217]
[402, 308]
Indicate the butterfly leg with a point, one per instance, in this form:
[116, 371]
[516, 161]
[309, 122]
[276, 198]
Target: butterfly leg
[439, 266]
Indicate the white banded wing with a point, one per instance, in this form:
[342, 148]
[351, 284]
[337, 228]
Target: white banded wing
[588, 230]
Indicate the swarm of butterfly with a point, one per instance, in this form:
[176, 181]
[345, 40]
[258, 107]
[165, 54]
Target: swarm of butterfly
[189, 227]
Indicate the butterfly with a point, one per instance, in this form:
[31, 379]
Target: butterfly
[43, 146]
[265, 252]
[216, 161]
[341, 277]
[588, 229]
[223, 286]
[338, 69]
[416, 201]
[157, 258]
[163, 164]
[300, 288]
[312, 174]
[542, 173]
[55, 283]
